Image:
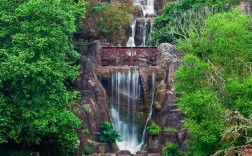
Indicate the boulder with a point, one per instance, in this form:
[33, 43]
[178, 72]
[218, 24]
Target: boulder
[142, 27]
[141, 153]
[138, 11]
[123, 153]
[168, 54]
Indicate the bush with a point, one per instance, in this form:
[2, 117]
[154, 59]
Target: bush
[87, 150]
[107, 134]
[171, 149]
[153, 129]
[173, 14]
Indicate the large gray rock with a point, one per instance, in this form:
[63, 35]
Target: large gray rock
[168, 54]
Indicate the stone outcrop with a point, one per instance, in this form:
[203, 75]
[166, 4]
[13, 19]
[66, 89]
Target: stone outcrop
[142, 29]
[93, 107]
[167, 111]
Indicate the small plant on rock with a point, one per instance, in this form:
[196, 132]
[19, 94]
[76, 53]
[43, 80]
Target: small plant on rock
[107, 133]
[171, 149]
[87, 150]
[153, 129]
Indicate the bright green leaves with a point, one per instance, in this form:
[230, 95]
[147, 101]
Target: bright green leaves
[108, 21]
[153, 129]
[239, 95]
[215, 77]
[35, 49]
[173, 12]
[107, 134]
[191, 75]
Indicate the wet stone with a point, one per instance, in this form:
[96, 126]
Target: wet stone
[123, 153]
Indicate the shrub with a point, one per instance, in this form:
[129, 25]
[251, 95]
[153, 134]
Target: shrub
[153, 129]
[171, 149]
[87, 150]
[170, 129]
[107, 134]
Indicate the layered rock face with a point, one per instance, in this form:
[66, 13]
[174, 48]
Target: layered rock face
[167, 113]
[93, 107]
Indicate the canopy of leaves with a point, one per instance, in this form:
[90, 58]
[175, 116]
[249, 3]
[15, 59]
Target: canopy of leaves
[107, 21]
[216, 77]
[173, 17]
[34, 51]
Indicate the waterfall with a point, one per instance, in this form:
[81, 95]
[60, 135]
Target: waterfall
[148, 8]
[144, 34]
[125, 97]
[124, 104]
[131, 40]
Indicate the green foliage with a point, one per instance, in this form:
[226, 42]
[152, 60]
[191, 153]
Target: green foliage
[171, 149]
[85, 131]
[239, 95]
[85, 108]
[190, 82]
[173, 12]
[107, 134]
[216, 77]
[35, 50]
[107, 21]
[99, 8]
[153, 129]
[170, 129]
[87, 150]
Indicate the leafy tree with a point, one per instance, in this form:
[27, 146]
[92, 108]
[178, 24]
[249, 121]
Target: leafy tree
[107, 21]
[182, 15]
[216, 77]
[35, 50]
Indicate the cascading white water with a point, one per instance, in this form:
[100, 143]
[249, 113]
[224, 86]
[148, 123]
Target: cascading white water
[125, 99]
[148, 8]
[147, 5]
[131, 40]
[144, 34]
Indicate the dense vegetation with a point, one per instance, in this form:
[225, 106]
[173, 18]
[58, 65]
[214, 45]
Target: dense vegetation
[178, 17]
[35, 70]
[107, 21]
[215, 81]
